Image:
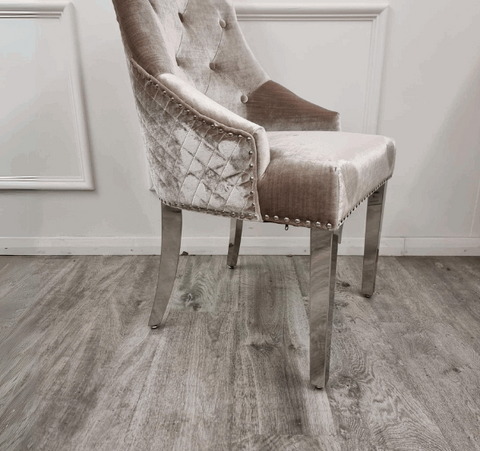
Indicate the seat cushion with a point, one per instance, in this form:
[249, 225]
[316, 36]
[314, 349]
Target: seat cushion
[317, 178]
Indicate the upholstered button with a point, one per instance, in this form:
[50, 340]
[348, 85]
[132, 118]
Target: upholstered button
[212, 66]
[244, 98]
[222, 23]
[180, 16]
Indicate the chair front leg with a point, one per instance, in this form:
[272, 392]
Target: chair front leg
[171, 239]
[236, 226]
[323, 266]
[373, 231]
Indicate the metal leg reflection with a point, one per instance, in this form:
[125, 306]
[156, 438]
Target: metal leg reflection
[323, 265]
[236, 226]
[373, 231]
[171, 239]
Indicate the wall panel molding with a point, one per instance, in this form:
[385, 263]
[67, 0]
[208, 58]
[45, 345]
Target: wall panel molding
[375, 13]
[62, 11]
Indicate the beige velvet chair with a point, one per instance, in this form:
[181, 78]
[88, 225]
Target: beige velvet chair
[222, 138]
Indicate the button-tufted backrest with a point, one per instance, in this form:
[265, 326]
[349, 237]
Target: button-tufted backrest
[197, 40]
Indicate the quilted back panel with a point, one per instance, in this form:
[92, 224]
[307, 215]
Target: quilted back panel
[197, 40]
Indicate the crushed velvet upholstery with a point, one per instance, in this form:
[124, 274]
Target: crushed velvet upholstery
[205, 103]
[321, 177]
[277, 108]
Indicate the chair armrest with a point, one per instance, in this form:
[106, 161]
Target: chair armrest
[278, 109]
[202, 156]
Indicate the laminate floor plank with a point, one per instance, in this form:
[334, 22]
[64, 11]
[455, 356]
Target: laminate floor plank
[371, 404]
[443, 376]
[228, 368]
[454, 304]
[274, 394]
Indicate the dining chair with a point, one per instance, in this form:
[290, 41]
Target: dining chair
[222, 138]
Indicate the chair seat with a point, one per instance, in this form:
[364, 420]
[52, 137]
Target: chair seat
[321, 176]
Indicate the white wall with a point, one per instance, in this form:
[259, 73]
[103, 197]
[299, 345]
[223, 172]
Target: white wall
[428, 100]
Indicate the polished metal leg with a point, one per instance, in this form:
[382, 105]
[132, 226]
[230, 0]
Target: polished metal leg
[323, 266]
[373, 231]
[339, 233]
[236, 226]
[171, 238]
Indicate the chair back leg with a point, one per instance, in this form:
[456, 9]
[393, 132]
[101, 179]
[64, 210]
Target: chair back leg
[171, 240]
[373, 231]
[323, 266]
[236, 226]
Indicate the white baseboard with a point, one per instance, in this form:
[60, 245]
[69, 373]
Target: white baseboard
[218, 246]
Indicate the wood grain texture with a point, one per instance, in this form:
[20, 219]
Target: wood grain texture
[80, 370]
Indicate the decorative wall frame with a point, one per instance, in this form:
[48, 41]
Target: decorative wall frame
[56, 10]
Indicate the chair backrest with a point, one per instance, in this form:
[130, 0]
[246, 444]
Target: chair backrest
[199, 41]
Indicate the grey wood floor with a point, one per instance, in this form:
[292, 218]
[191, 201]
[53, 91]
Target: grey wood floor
[80, 370]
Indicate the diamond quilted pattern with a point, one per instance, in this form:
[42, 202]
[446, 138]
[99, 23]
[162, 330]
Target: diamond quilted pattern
[195, 163]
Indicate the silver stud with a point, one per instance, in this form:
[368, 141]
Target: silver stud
[251, 192]
[250, 152]
[222, 23]
[220, 130]
[249, 138]
[230, 134]
[164, 92]
[307, 223]
[329, 226]
[172, 98]
[179, 104]
[233, 214]
[267, 217]
[244, 98]
[275, 218]
[204, 121]
[253, 204]
[286, 220]
[251, 165]
[252, 179]
[194, 116]
[317, 224]
[242, 215]
[187, 111]
[212, 125]
[297, 221]
[250, 215]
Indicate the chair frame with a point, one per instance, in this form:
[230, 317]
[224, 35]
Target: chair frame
[323, 264]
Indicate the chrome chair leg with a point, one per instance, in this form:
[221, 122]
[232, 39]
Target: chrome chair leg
[236, 226]
[323, 266]
[171, 239]
[339, 233]
[373, 231]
